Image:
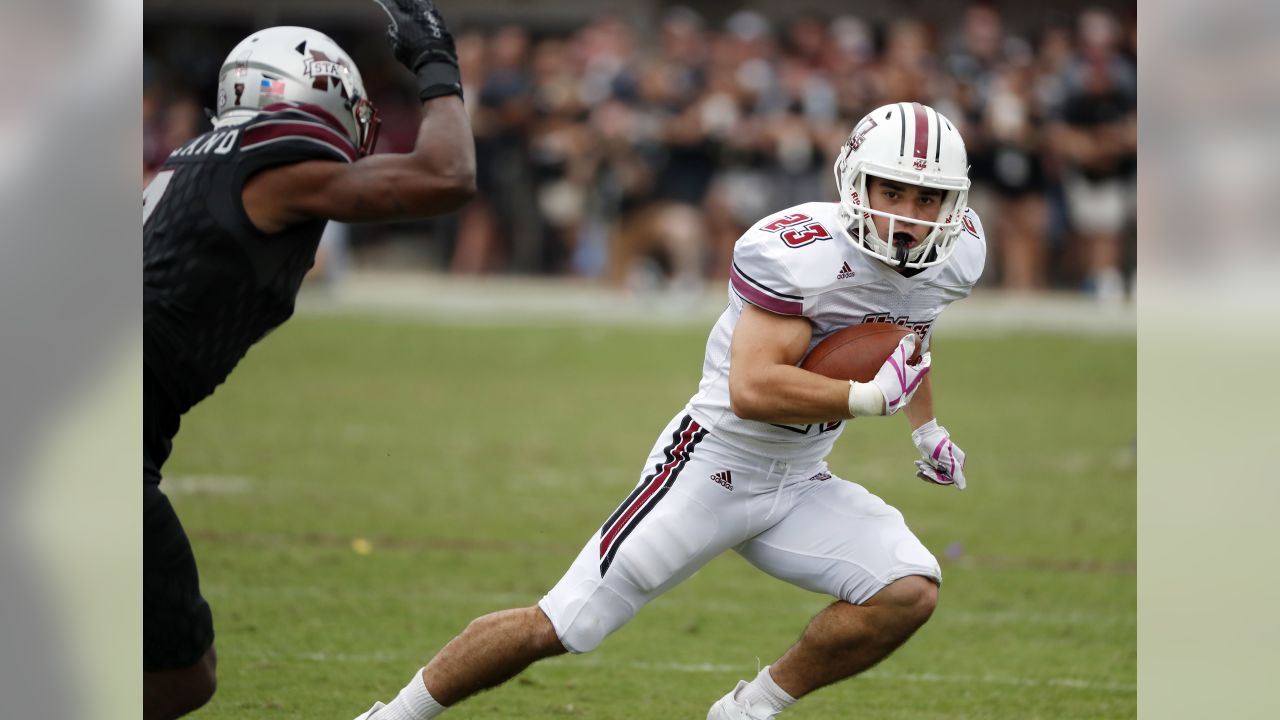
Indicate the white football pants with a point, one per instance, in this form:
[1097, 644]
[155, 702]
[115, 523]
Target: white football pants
[698, 497]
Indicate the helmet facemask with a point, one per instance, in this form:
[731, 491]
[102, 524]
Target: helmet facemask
[944, 230]
[910, 144]
[367, 125]
[367, 122]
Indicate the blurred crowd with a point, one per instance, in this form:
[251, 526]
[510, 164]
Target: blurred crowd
[640, 158]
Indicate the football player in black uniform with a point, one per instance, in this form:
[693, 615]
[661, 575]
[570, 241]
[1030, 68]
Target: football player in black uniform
[231, 225]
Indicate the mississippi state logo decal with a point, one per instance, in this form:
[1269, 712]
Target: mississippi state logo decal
[327, 73]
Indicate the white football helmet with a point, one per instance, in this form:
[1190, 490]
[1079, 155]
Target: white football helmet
[295, 64]
[916, 145]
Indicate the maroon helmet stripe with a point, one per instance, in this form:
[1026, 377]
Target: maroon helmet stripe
[922, 131]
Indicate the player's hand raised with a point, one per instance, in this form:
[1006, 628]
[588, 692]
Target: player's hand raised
[898, 379]
[943, 460]
[421, 41]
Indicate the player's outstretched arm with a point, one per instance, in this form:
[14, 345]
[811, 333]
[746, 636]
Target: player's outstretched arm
[438, 176]
[764, 382]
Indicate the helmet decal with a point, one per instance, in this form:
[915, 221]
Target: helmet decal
[326, 72]
[859, 134]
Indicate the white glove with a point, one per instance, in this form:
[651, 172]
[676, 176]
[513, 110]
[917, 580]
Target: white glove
[892, 387]
[943, 462]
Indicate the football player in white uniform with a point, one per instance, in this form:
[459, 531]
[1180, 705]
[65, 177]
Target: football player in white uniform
[742, 466]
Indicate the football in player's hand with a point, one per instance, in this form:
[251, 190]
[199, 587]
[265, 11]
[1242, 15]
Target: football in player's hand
[857, 352]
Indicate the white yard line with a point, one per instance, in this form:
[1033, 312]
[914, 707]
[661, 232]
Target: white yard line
[742, 669]
[207, 484]
[876, 674]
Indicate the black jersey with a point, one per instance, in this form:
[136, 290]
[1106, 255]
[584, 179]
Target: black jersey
[213, 283]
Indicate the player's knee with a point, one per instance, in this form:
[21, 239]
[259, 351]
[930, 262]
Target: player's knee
[592, 621]
[916, 600]
[584, 633]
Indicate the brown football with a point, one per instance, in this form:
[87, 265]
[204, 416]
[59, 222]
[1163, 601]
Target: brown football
[856, 352]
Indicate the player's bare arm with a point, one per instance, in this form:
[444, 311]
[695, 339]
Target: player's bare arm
[438, 176]
[764, 382]
[920, 410]
[941, 460]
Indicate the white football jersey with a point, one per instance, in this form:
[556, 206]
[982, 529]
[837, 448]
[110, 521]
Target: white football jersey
[801, 262]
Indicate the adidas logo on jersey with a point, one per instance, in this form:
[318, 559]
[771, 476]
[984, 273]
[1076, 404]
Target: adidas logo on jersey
[724, 478]
[846, 272]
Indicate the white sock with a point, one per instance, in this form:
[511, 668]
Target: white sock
[764, 692]
[413, 703]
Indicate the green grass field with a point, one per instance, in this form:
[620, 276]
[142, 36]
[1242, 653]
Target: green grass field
[476, 460]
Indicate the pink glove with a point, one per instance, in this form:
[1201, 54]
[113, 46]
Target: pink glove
[943, 462]
[897, 380]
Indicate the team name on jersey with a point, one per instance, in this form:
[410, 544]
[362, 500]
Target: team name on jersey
[919, 328]
[217, 143]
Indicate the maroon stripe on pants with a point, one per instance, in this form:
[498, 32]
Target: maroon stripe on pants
[677, 458]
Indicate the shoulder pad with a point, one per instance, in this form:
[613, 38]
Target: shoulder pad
[769, 257]
[971, 250]
[306, 129]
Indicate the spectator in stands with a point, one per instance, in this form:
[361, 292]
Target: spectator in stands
[1095, 134]
[1013, 127]
[642, 158]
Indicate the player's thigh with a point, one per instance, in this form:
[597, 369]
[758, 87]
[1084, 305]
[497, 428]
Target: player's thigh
[592, 600]
[177, 624]
[841, 540]
[671, 524]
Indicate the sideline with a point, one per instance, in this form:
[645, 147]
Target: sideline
[501, 300]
